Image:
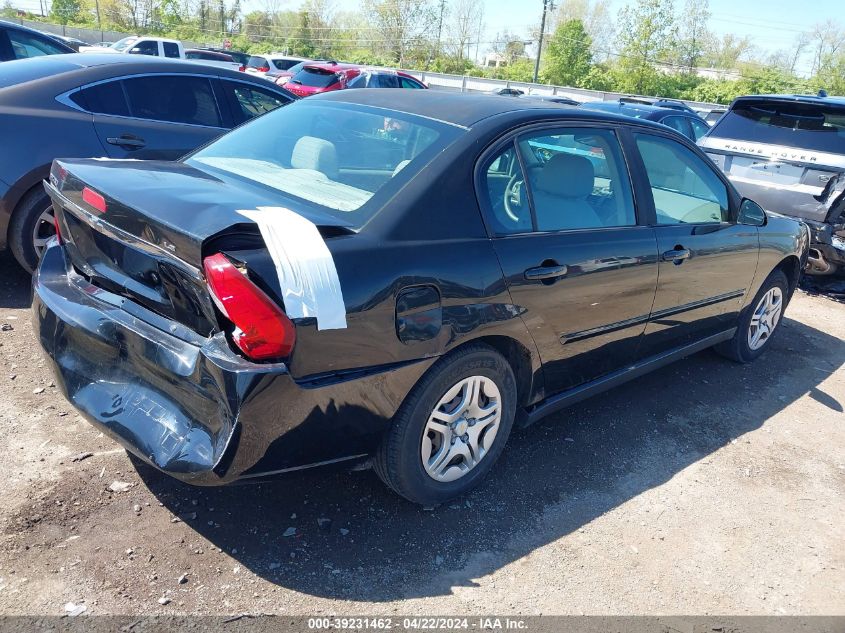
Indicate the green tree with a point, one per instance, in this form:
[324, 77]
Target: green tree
[570, 56]
[646, 35]
[64, 11]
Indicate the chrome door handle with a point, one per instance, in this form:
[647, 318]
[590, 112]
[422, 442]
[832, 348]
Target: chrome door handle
[545, 272]
[677, 255]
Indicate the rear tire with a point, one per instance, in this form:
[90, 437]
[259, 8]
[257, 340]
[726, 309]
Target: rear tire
[759, 322]
[451, 427]
[30, 227]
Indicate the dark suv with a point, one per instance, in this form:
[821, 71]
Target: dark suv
[787, 152]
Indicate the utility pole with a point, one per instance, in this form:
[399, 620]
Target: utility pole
[548, 5]
[99, 25]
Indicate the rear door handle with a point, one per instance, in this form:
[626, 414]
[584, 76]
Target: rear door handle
[545, 272]
[129, 142]
[676, 255]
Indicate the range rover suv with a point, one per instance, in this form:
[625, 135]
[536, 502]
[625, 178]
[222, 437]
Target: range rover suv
[787, 153]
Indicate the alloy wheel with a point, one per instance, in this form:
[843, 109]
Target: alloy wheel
[765, 318]
[43, 230]
[461, 429]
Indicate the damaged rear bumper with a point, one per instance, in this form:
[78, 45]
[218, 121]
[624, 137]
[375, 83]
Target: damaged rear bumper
[827, 248]
[187, 404]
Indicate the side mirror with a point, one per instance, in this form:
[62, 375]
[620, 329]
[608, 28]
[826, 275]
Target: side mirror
[751, 213]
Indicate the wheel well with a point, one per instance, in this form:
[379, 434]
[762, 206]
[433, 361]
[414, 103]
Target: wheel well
[791, 267]
[518, 357]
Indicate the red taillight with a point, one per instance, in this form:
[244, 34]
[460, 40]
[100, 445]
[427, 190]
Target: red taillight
[242, 69]
[94, 199]
[56, 225]
[262, 330]
[263, 69]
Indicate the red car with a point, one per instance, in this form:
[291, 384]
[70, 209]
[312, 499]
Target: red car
[327, 76]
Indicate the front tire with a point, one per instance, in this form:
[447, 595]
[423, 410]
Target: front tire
[451, 428]
[30, 228]
[759, 321]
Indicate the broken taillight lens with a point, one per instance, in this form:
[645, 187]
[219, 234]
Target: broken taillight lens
[262, 330]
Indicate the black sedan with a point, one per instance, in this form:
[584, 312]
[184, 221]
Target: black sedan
[686, 122]
[117, 106]
[344, 279]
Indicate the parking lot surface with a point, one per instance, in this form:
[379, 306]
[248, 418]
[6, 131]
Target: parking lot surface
[706, 487]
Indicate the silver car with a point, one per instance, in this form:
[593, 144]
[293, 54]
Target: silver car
[787, 153]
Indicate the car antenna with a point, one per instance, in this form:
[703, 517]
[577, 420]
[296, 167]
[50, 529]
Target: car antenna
[822, 92]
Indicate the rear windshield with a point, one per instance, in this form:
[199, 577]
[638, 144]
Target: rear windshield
[284, 64]
[257, 62]
[343, 158]
[818, 127]
[315, 77]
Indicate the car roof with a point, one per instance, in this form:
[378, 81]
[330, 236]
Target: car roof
[35, 68]
[462, 109]
[334, 66]
[624, 107]
[815, 99]
[21, 27]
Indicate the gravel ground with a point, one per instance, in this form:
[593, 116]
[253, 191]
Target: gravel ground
[706, 487]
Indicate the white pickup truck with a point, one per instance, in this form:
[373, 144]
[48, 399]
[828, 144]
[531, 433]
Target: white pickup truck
[161, 47]
[141, 45]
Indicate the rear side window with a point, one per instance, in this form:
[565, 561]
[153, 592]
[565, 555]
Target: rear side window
[699, 128]
[171, 49]
[819, 127]
[173, 98]
[685, 189]
[384, 80]
[104, 98]
[25, 45]
[315, 77]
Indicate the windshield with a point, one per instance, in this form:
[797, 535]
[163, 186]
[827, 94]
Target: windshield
[122, 45]
[337, 156]
[812, 126]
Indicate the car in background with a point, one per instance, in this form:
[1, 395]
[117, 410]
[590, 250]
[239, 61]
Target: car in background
[714, 115]
[690, 125]
[659, 102]
[73, 42]
[307, 290]
[20, 42]
[281, 77]
[318, 77]
[212, 58]
[239, 56]
[508, 92]
[559, 99]
[141, 45]
[788, 153]
[261, 64]
[117, 106]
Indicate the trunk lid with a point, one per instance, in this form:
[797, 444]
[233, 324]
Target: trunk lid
[160, 220]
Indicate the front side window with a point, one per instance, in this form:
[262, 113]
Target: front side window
[409, 83]
[146, 47]
[25, 45]
[251, 101]
[335, 156]
[685, 189]
[173, 98]
[679, 124]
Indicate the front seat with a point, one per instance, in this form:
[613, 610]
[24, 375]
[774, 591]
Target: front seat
[316, 154]
[560, 194]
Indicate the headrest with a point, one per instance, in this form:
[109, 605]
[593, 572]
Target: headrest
[315, 153]
[568, 176]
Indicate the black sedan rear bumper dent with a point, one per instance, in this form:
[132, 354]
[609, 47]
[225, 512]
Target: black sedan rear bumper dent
[188, 405]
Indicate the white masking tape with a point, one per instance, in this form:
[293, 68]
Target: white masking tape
[304, 264]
